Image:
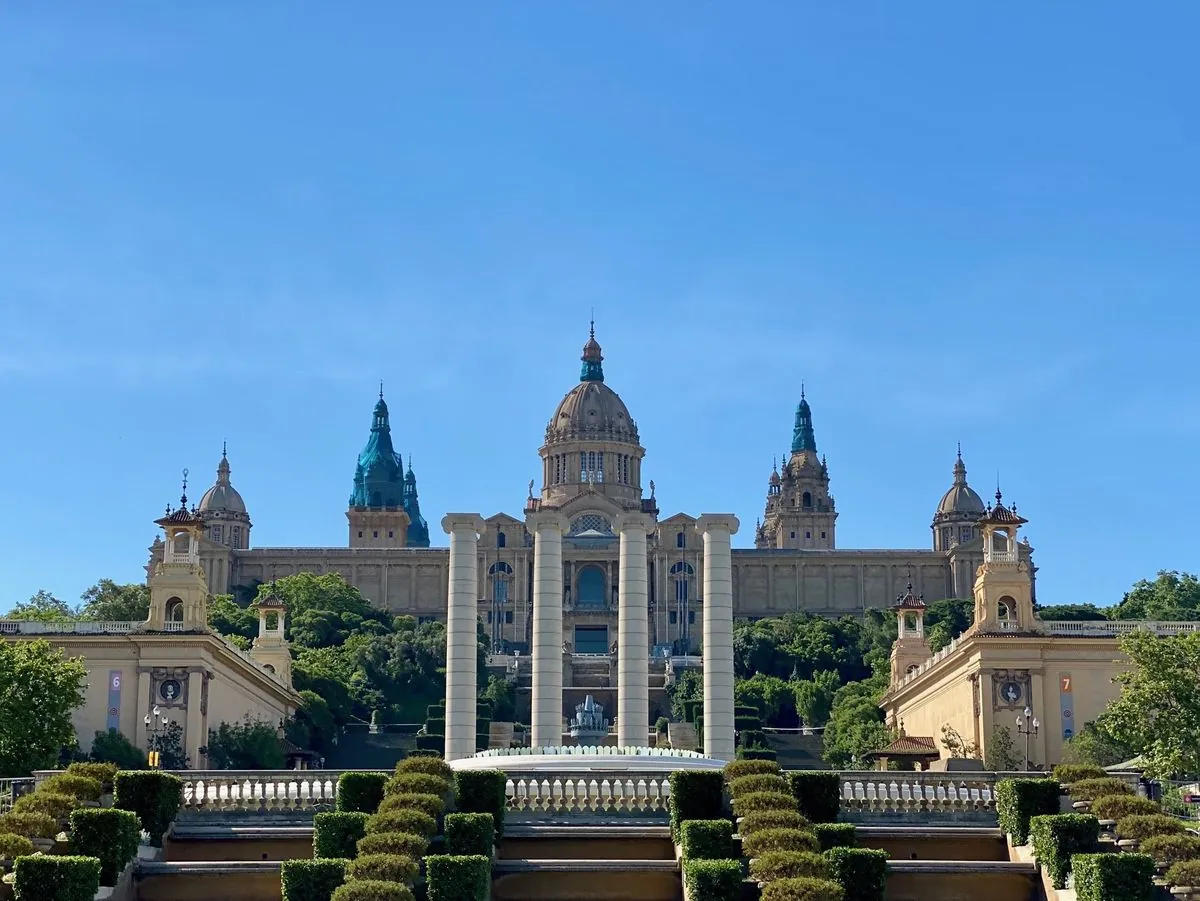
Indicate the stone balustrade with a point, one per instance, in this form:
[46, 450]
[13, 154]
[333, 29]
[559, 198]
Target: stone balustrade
[585, 793]
[869, 793]
[217, 791]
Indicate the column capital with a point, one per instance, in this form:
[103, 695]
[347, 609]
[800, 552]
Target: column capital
[717, 521]
[546, 519]
[462, 522]
[633, 521]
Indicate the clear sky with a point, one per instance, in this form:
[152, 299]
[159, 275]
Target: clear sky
[951, 222]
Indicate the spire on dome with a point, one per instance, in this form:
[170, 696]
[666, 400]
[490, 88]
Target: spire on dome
[803, 438]
[592, 358]
[379, 475]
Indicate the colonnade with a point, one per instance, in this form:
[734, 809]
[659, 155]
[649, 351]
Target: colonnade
[633, 637]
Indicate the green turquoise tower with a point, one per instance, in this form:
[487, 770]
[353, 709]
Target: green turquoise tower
[380, 481]
[803, 438]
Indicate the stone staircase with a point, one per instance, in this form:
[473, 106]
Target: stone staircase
[683, 736]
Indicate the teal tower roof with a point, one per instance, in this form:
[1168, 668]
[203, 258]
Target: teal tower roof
[803, 438]
[592, 370]
[380, 480]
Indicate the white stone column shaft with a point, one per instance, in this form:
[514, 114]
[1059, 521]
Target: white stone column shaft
[633, 634]
[462, 692]
[547, 650]
[717, 530]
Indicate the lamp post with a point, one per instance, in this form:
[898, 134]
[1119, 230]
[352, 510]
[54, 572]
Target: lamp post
[156, 724]
[1027, 725]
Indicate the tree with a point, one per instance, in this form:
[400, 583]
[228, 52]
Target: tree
[856, 724]
[109, 602]
[767, 693]
[1002, 755]
[313, 727]
[39, 688]
[226, 616]
[1158, 710]
[169, 744]
[814, 697]
[503, 696]
[688, 686]
[1095, 744]
[45, 607]
[1073, 613]
[1171, 596]
[113, 747]
[249, 745]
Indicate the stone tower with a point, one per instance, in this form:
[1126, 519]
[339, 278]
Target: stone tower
[226, 521]
[178, 589]
[800, 511]
[911, 647]
[377, 516]
[1003, 584]
[271, 648]
[957, 518]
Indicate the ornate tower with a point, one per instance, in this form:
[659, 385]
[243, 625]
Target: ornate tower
[226, 521]
[377, 516]
[957, 517]
[911, 648]
[1003, 584]
[800, 511]
[271, 647]
[418, 528]
[178, 589]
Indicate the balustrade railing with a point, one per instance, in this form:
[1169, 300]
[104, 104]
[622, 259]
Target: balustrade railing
[216, 791]
[11, 789]
[583, 793]
[871, 792]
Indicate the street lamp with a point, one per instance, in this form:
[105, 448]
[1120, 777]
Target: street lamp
[156, 724]
[1027, 726]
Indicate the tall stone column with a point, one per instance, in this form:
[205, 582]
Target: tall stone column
[633, 633]
[547, 651]
[462, 692]
[717, 529]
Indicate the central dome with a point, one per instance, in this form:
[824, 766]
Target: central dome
[592, 411]
[222, 497]
[961, 498]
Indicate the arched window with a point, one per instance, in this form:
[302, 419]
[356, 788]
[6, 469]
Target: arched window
[910, 622]
[272, 620]
[680, 540]
[501, 539]
[911, 668]
[807, 499]
[590, 589]
[175, 610]
[182, 542]
[501, 574]
[269, 668]
[682, 573]
[1006, 609]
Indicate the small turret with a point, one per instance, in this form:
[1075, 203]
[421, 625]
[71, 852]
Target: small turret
[803, 437]
[418, 528]
[592, 370]
[377, 512]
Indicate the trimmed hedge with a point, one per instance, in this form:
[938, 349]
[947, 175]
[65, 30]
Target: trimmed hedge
[1091, 789]
[28, 823]
[469, 834]
[383, 868]
[805, 888]
[336, 833]
[736, 769]
[819, 794]
[752, 738]
[53, 804]
[402, 819]
[1185, 872]
[706, 839]
[1113, 877]
[404, 844]
[1019, 800]
[766, 754]
[430, 805]
[835, 835]
[458, 878]
[771, 819]
[44, 877]
[775, 865]
[756, 802]
[1143, 826]
[14, 846]
[435, 743]
[1172, 849]
[360, 792]
[778, 840]
[104, 773]
[371, 890]
[747, 724]
[153, 795]
[435, 726]
[110, 835]
[430, 766]
[712, 880]
[1116, 807]
[481, 791]
[82, 788]
[1058, 836]
[416, 784]
[1066, 773]
[763, 782]
[696, 795]
[312, 880]
[861, 872]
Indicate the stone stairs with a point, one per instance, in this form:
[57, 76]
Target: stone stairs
[683, 736]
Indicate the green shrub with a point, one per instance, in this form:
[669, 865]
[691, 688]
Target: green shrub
[14, 846]
[383, 868]
[818, 793]
[775, 865]
[778, 840]
[706, 839]
[336, 833]
[104, 773]
[1184, 872]
[415, 822]
[1058, 836]
[436, 711]
[1171, 849]
[430, 805]
[312, 880]
[1091, 789]
[416, 784]
[482, 791]
[430, 766]
[403, 843]
[736, 769]
[771, 819]
[82, 788]
[470, 833]
[360, 792]
[436, 725]
[458, 878]
[1143, 826]
[752, 738]
[756, 802]
[1066, 773]
[835, 835]
[696, 795]
[53, 804]
[153, 795]
[1115, 807]
[28, 823]
[370, 890]
[763, 782]
[861, 872]
[1113, 877]
[1018, 800]
[434, 743]
[43, 877]
[713, 880]
[805, 888]
[110, 835]
[768, 755]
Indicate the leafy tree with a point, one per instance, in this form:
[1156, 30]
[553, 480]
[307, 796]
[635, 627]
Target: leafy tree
[814, 697]
[1071, 613]
[39, 688]
[1158, 710]
[1096, 744]
[169, 744]
[231, 619]
[503, 696]
[1171, 596]
[689, 686]
[113, 747]
[44, 607]
[249, 745]
[856, 724]
[767, 693]
[313, 727]
[109, 602]
[1002, 755]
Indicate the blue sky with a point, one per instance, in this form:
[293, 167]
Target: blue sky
[229, 221]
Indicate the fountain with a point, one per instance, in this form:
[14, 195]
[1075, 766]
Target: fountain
[589, 726]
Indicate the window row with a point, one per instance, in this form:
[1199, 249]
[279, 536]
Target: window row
[591, 468]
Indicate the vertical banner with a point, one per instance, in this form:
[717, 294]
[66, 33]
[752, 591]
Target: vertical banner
[114, 699]
[1066, 700]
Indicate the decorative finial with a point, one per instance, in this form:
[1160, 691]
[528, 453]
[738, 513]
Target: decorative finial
[652, 489]
[183, 494]
[381, 389]
[592, 324]
[960, 450]
[531, 489]
[802, 390]
[774, 464]
[224, 449]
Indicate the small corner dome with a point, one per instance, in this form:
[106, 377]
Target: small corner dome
[961, 499]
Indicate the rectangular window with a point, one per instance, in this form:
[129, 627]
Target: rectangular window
[822, 534]
[375, 534]
[360, 533]
[237, 536]
[808, 534]
[508, 616]
[583, 467]
[391, 534]
[489, 619]
[600, 466]
[673, 618]
[215, 534]
[692, 618]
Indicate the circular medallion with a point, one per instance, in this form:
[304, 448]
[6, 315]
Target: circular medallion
[1010, 692]
[170, 690]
